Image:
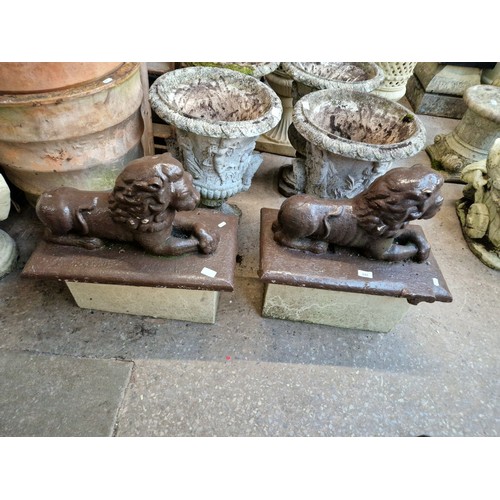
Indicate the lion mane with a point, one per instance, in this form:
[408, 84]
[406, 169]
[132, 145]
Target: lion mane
[374, 221]
[388, 205]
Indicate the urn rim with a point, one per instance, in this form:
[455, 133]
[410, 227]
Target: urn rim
[161, 102]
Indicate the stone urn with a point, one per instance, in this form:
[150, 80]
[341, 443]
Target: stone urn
[255, 69]
[218, 114]
[312, 76]
[471, 140]
[396, 76]
[351, 139]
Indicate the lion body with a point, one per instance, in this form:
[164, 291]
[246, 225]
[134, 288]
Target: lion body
[374, 221]
[141, 208]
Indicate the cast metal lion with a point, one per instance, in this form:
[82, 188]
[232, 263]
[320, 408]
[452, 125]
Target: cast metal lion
[374, 221]
[140, 209]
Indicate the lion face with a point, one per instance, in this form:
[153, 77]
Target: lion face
[398, 197]
[149, 190]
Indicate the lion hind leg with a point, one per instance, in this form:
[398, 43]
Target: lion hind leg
[305, 244]
[74, 240]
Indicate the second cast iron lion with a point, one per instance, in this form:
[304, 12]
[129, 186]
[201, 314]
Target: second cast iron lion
[143, 208]
[374, 221]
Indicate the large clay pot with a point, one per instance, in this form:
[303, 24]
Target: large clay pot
[82, 136]
[35, 77]
[351, 139]
[218, 115]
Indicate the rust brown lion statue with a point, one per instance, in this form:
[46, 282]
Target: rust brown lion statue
[145, 207]
[374, 221]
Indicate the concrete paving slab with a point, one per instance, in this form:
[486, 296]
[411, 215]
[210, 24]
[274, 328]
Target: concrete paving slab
[44, 395]
[240, 398]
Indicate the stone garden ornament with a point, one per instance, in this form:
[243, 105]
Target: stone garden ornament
[479, 209]
[218, 115]
[310, 77]
[145, 207]
[375, 221]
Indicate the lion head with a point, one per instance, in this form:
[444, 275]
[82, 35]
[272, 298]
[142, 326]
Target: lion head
[398, 197]
[148, 190]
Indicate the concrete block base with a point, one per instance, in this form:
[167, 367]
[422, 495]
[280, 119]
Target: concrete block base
[334, 308]
[427, 103]
[198, 306]
[123, 278]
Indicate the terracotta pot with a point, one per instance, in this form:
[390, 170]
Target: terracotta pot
[26, 77]
[81, 137]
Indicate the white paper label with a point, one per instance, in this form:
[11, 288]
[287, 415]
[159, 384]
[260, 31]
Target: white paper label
[208, 272]
[222, 224]
[365, 274]
[108, 80]
[435, 281]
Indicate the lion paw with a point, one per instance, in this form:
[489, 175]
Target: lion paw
[318, 247]
[92, 243]
[207, 243]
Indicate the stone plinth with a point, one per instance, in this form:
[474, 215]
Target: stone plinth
[342, 288]
[473, 137]
[123, 278]
[437, 89]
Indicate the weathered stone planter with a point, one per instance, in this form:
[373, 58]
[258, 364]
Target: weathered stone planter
[218, 115]
[255, 69]
[80, 137]
[396, 76]
[351, 139]
[473, 137]
[312, 76]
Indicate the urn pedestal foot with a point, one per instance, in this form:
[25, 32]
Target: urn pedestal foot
[473, 137]
[342, 288]
[124, 279]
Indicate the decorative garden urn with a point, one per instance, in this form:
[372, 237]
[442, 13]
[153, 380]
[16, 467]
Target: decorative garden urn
[351, 139]
[312, 76]
[218, 114]
[255, 69]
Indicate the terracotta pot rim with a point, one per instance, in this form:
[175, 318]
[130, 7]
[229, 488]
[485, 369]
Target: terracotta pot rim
[120, 75]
